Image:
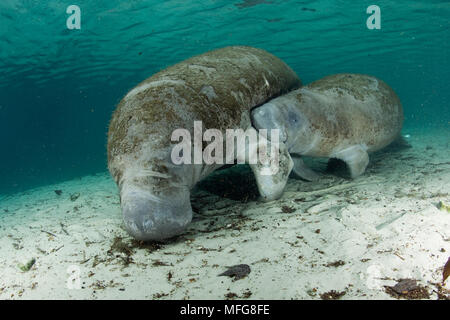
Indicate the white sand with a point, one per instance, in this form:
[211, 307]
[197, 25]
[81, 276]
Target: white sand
[383, 226]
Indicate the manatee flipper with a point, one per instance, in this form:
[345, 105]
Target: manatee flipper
[400, 143]
[271, 175]
[302, 170]
[356, 158]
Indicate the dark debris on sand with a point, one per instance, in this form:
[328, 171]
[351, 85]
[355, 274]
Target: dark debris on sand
[128, 249]
[332, 295]
[407, 289]
[239, 271]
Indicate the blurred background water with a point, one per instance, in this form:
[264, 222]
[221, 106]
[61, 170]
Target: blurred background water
[58, 87]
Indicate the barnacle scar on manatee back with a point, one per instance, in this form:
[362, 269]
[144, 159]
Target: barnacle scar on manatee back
[218, 88]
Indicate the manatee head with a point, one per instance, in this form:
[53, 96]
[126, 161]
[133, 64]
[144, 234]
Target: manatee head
[154, 213]
[280, 114]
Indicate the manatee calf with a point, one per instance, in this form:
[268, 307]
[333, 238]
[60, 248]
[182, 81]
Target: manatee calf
[341, 116]
[217, 88]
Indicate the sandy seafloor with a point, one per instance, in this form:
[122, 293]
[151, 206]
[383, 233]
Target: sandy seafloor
[351, 236]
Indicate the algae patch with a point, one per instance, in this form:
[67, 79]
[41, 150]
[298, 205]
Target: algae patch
[26, 267]
[443, 206]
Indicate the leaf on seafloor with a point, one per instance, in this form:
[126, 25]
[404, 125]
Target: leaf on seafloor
[446, 272]
[407, 289]
[238, 271]
[405, 285]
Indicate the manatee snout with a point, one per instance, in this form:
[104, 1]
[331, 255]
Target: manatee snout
[268, 117]
[147, 217]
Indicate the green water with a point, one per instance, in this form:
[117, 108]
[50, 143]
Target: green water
[58, 87]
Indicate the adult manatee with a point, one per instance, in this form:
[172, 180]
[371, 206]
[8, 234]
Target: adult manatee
[342, 116]
[218, 88]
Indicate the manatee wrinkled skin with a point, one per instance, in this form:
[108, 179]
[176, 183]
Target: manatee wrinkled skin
[218, 88]
[341, 116]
